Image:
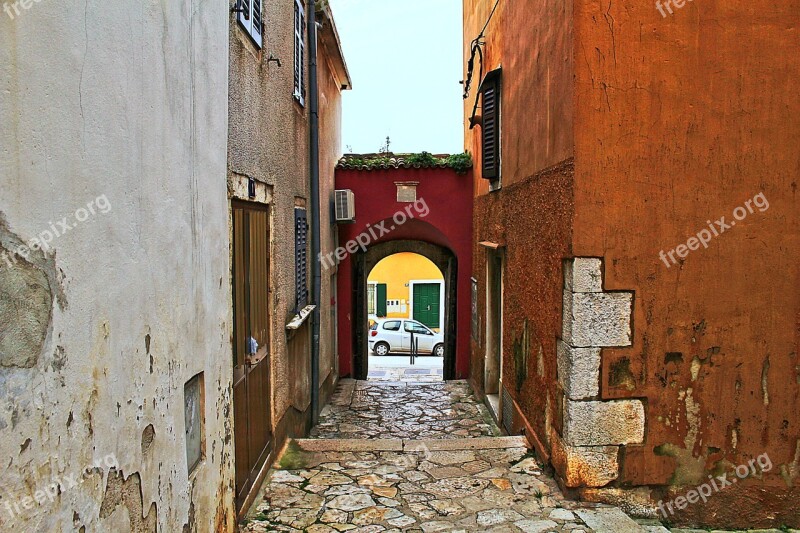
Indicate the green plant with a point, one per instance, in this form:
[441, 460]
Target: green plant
[461, 163]
[423, 159]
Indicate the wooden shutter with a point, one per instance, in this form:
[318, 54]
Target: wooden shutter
[301, 257]
[380, 299]
[490, 130]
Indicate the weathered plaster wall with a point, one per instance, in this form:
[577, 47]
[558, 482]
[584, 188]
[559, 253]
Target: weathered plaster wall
[680, 120]
[537, 89]
[268, 141]
[532, 220]
[100, 333]
[531, 215]
[330, 119]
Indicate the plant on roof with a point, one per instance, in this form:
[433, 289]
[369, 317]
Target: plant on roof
[461, 163]
[423, 159]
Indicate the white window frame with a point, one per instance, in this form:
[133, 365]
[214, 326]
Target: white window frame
[246, 22]
[300, 52]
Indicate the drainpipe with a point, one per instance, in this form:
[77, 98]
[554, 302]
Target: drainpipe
[313, 92]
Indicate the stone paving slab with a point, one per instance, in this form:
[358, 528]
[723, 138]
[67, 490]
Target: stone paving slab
[350, 445]
[478, 443]
[368, 410]
[609, 520]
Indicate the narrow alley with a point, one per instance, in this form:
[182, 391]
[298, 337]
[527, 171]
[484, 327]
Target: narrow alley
[419, 457]
[324, 266]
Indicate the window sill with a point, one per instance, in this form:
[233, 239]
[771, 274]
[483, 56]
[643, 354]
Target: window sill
[300, 318]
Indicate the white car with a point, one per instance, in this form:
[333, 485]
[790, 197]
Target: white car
[394, 335]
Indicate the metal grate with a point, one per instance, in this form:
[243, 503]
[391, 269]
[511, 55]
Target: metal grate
[301, 257]
[508, 412]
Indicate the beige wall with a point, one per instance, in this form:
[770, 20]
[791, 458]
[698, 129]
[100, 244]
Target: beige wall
[268, 141]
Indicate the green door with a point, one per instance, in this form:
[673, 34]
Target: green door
[427, 304]
[380, 299]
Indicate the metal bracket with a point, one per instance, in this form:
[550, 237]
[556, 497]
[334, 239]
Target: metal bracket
[238, 8]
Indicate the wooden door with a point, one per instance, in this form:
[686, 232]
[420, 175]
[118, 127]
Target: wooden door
[427, 304]
[251, 343]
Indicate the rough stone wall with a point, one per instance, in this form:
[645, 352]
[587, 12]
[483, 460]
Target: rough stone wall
[592, 431]
[121, 106]
[679, 120]
[532, 219]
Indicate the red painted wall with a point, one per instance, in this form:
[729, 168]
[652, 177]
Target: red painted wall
[449, 224]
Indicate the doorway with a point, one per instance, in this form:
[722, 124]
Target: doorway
[251, 344]
[405, 340]
[441, 272]
[494, 331]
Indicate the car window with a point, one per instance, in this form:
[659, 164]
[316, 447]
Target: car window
[416, 327]
[374, 326]
[392, 325]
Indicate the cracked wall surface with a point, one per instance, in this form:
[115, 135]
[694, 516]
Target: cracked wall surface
[100, 330]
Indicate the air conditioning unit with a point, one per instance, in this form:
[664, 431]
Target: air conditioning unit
[345, 205]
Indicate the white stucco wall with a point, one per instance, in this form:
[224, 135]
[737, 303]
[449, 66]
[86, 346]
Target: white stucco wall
[127, 101]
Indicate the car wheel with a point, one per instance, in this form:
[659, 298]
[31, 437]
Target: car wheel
[381, 349]
[438, 350]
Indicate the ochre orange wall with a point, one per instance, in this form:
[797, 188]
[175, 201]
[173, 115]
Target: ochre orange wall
[532, 42]
[681, 120]
[623, 132]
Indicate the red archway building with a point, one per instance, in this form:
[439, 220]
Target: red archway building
[401, 208]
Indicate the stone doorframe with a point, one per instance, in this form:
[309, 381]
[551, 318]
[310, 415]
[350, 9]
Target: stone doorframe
[593, 430]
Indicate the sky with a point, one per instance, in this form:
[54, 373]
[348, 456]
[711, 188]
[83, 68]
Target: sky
[405, 61]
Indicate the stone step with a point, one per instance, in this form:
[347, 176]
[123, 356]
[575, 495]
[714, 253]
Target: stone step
[399, 445]
[609, 520]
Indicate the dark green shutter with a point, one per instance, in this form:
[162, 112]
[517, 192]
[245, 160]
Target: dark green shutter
[380, 299]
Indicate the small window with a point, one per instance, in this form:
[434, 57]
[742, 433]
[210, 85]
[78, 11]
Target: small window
[490, 126]
[299, 52]
[251, 20]
[301, 257]
[392, 325]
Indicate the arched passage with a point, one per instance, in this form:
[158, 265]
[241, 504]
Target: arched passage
[364, 262]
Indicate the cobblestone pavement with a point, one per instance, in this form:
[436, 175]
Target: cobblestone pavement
[396, 456]
[331, 486]
[397, 410]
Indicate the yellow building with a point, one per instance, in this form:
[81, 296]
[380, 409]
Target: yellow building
[407, 285]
